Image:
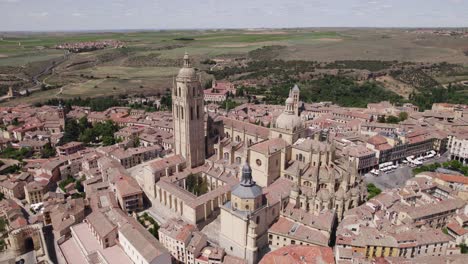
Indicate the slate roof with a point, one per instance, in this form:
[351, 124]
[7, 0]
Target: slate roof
[247, 192]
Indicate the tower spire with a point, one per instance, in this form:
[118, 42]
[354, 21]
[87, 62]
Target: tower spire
[186, 60]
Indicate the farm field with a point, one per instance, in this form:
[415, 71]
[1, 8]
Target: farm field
[150, 59]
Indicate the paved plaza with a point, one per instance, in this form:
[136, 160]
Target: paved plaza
[398, 177]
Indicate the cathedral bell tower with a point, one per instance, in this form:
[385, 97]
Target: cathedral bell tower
[187, 112]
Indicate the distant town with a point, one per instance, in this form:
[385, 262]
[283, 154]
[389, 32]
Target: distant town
[203, 183]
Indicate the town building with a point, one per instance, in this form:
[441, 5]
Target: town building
[404, 223]
[34, 192]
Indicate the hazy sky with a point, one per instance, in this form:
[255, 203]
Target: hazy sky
[171, 14]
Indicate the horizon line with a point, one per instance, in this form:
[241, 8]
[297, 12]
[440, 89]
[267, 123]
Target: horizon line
[229, 28]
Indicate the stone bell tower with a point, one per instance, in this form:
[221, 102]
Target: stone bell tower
[187, 112]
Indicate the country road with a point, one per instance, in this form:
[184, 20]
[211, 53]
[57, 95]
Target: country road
[47, 70]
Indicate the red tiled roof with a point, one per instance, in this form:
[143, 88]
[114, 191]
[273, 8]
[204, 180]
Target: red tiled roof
[269, 146]
[377, 140]
[453, 178]
[456, 228]
[299, 254]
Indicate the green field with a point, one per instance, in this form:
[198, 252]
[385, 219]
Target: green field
[151, 58]
[303, 44]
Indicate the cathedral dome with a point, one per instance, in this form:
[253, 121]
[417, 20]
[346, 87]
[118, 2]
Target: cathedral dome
[288, 121]
[247, 189]
[247, 192]
[187, 71]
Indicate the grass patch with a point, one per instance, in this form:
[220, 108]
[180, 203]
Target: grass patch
[372, 191]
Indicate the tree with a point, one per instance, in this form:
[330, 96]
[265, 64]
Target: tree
[136, 142]
[15, 121]
[78, 186]
[17, 154]
[65, 182]
[463, 248]
[83, 123]
[155, 230]
[229, 104]
[108, 140]
[403, 116]
[166, 102]
[71, 132]
[196, 184]
[381, 119]
[48, 151]
[392, 119]
[99, 132]
[208, 84]
[240, 92]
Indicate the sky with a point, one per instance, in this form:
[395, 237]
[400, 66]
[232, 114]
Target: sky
[65, 15]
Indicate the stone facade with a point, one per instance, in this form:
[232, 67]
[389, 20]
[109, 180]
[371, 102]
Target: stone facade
[187, 110]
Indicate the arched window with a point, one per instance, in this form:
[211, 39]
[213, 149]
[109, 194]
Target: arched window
[300, 157]
[247, 207]
[226, 155]
[258, 220]
[193, 91]
[238, 139]
[191, 113]
[180, 92]
[238, 160]
[181, 112]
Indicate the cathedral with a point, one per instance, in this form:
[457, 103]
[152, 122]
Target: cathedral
[320, 183]
[254, 174]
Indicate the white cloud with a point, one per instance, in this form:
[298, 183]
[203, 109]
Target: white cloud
[77, 14]
[10, 1]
